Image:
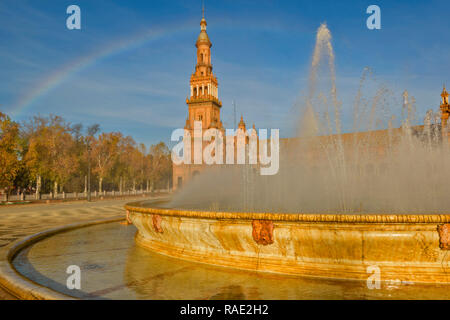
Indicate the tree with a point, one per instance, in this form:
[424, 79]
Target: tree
[51, 151]
[125, 170]
[89, 139]
[9, 152]
[105, 149]
[161, 164]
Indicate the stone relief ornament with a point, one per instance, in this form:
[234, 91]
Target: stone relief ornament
[262, 232]
[444, 236]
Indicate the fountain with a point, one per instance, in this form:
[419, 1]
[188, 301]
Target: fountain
[341, 203]
[343, 206]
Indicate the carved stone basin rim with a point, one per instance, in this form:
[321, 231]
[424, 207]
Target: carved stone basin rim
[294, 217]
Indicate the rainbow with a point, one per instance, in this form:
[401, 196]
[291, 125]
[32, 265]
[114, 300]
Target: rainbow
[53, 80]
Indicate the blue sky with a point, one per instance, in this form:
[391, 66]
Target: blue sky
[128, 68]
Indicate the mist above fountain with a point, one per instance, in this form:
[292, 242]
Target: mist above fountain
[376, 169]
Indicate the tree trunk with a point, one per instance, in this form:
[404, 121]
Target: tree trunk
[100, 184]
[55, 189]
[38, 187]
[85, 184]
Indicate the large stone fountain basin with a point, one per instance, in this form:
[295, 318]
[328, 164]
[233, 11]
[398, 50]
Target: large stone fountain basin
[413, 248]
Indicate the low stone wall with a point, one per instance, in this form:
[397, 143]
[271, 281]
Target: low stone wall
[75, 195]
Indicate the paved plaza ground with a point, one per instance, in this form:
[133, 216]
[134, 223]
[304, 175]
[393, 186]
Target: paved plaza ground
[19, 221]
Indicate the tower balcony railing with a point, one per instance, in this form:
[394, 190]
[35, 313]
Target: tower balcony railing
[201, 78]
[204, 64]
[203, 98]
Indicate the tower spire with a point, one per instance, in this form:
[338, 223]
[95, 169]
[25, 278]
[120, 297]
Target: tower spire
[203, 101]
[203, 9]
[444, 96]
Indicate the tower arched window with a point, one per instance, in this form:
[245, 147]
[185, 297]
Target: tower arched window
[201, 57]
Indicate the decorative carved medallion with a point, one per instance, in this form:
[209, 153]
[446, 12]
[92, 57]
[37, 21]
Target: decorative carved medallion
[444, 236]
[156, 218]
[262, 231]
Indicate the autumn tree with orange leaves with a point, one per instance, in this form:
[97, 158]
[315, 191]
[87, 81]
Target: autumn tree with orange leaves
[9, 152]
[105, 150]
[51, 151]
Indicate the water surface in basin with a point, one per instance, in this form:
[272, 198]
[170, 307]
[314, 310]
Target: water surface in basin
[113, 267]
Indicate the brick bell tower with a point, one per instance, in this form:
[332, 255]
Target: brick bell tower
[203, 101]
